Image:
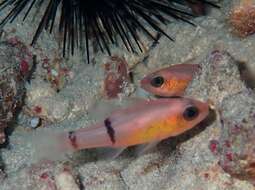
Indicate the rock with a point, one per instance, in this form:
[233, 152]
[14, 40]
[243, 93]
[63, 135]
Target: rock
[16, 61]
[65, 180]
[237, 141]
[35, 122]
[219, 78]
[242, 18]
[116, 76]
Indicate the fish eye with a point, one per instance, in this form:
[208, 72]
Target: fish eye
[157, 81]
[190, 113]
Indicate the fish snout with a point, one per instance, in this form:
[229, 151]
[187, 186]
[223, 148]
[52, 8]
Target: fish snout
[203, 109]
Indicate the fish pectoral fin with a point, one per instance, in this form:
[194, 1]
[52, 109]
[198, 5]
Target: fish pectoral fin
[145, 148]
[109, 153]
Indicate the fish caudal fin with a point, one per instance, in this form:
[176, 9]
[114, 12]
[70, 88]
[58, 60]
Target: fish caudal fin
[49, 145]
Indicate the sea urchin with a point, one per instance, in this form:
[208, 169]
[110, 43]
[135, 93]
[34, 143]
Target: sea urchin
[103, 20]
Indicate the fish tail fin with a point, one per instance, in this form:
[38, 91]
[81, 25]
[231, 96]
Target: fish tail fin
[50, 145]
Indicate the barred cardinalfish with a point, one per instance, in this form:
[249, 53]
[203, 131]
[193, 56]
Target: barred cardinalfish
[146, 122]
[170, 81]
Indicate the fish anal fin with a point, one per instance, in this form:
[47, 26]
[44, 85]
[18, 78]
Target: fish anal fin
[145, 148]
[109, 153]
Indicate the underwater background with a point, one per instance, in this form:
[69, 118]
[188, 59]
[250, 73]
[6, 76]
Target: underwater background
[54, 94]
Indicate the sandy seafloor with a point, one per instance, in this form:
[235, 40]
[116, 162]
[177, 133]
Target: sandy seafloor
[176, 164]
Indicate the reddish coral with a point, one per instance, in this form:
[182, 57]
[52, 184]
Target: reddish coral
[56, 72]
[15, 65]
[14, 41]
[236, 129]
[37, 109]
[42, 176]
[229, 156]
[116, 76]
[206, 175]
[227, 143]
[236, 152]
[214, 146]
[242, 19]
[24, 67]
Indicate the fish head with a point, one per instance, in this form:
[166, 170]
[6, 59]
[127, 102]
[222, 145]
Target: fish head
[170, 81]
[188, 113]
[155, 83]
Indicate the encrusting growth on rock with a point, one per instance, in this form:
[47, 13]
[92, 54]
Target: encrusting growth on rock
[242, 18]
[16, 62]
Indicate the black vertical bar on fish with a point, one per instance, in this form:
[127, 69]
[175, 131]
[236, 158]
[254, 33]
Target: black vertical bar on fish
[72, 138]
[110, 130]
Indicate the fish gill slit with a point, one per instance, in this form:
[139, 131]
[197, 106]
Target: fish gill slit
[110, 130]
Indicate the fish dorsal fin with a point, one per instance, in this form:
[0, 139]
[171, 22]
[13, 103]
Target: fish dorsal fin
[186, 68]
[106, 108]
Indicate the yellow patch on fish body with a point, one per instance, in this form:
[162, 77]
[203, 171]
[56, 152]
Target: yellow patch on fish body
[159, 130]
[175, 84]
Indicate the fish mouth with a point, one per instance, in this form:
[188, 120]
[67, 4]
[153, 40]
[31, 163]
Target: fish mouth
[204, 109]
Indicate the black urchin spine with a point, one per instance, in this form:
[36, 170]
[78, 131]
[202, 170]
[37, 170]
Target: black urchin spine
[103, 20]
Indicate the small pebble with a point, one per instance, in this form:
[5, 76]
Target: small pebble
[35, 122]
[54, 72]
[66, 181]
